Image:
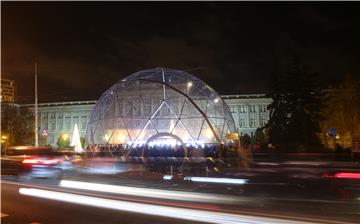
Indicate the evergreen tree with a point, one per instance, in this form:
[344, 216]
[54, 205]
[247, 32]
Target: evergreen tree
[63, 141]
[17, 124]
[260, 138]
[24, 131]
[295, 111]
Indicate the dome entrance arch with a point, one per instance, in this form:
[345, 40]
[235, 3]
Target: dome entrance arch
[165, 138]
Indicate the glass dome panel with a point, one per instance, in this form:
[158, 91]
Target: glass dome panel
[159, 100]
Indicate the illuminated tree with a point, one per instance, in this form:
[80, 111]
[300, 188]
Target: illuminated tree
[63, 141]
[342, 112]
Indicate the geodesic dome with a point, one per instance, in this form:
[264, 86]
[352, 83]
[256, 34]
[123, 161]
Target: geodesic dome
[159, 106]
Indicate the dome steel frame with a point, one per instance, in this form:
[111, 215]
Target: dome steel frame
[169, 89]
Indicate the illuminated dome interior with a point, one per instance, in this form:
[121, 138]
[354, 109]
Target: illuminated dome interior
[159, 106]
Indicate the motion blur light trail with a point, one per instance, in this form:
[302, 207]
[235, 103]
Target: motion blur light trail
[172, 212]
[150, 192]
[168, 177]
[347, 175]
[216, 180]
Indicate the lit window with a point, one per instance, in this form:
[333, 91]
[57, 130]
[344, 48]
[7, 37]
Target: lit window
[252, 108]
[242, 122]
[243, 108]
[252, 122]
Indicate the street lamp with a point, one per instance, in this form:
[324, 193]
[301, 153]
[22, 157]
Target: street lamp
[4, 140]
[64, 136]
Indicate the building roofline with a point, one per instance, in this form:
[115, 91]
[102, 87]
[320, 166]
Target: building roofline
[87, 102]
[244, 96]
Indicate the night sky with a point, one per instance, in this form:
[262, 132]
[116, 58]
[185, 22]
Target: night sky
[82, 48]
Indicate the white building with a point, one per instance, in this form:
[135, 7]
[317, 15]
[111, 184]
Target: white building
[7, 91]
[249, 113]
[59, 118]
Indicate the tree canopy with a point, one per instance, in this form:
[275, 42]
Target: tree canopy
[17, 123]
[295, 113]
[342, 112]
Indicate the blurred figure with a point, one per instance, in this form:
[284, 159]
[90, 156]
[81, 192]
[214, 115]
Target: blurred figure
[197, 163]
[245, 155]
[338, 148]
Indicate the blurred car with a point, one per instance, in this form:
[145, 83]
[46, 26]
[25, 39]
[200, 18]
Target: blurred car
[38, 162]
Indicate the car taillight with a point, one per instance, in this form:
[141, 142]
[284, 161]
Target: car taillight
[342, 175]
[347, 175]
[31, 161]
[41, 161]
[51, 161]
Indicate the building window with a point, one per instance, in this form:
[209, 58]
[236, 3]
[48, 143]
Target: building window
[243, 109]
[68, 122]
[76, 120]
[137, 107]
[242, 122]
[252, 122]
[252, 108]
[83, 122]
[60, 125]
[53, 125]
[60, 115]
[129, 109]
[232, 109]
[147, 108]
[261, 121]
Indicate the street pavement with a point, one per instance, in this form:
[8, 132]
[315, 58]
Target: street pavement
[19, 209]
[286, 191]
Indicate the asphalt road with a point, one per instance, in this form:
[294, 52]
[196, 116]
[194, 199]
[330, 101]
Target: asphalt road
[268, 196]
[19, 209]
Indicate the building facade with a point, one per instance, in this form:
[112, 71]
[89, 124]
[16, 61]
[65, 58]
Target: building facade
[249, 113]
[7, 90]
[56, 119]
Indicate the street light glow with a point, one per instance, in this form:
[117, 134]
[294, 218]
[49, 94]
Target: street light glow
[64, 136]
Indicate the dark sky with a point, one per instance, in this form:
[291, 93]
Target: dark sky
[82, 48]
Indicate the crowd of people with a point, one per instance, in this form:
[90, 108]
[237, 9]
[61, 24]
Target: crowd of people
[162, 157]
[119, 150]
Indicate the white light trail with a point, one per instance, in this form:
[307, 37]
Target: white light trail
[150, 192]
[157, 210]
[216, 180]
[168, 177]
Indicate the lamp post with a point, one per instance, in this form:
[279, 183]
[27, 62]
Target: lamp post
[36, 110]
[4, 140]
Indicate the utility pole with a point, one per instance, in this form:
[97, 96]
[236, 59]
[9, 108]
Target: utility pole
[36, 109]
